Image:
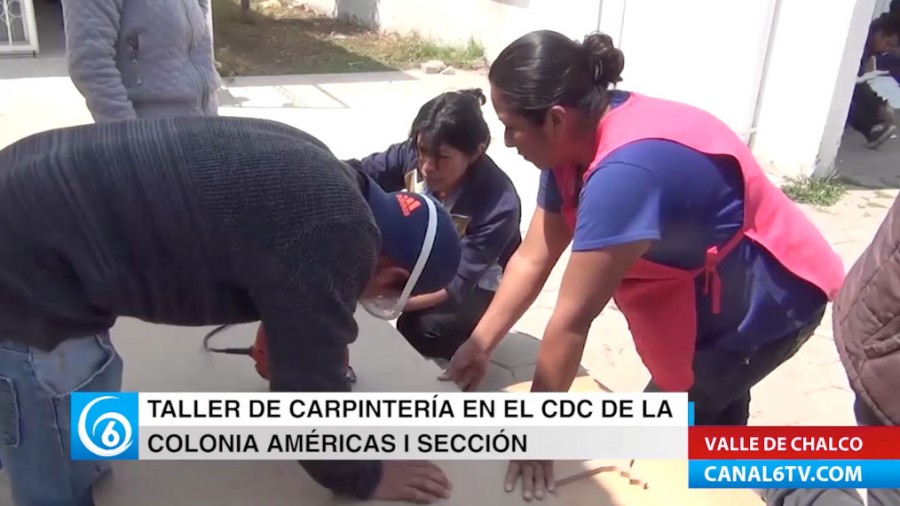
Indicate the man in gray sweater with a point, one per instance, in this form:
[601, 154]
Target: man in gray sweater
[195, 221]
[142, 58]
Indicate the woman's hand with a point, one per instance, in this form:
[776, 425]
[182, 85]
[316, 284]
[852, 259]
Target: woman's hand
[537, 478]
[468, 365]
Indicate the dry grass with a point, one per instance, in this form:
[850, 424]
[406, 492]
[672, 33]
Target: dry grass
[276, 39]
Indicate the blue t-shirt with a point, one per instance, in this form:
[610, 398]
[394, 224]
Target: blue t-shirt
[685, 201]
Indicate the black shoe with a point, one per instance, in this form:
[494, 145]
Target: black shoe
[879, 134]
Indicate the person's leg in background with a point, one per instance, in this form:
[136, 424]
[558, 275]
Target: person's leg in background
[867, 115]
[723, 379]
[35, 388]
[437, 332]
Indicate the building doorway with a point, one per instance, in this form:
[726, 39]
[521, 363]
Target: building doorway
[870, 168]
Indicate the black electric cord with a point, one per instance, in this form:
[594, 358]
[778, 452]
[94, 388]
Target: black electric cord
[350, 374]
[230, 351]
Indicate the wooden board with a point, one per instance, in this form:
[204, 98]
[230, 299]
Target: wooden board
[567, 470]
[584, 384]
[665, 480]
[159, 358]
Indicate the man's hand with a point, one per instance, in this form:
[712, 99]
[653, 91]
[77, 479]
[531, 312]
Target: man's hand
[414, 481]
[468, 366]
[537, 478]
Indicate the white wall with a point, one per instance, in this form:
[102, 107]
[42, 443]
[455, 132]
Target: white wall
[508, 20]
[494, 23]
[779, 72]
[453, 21]
[815, 54]
[708, 53]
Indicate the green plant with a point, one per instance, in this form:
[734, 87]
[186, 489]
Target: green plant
[823, 191]
[412, 49]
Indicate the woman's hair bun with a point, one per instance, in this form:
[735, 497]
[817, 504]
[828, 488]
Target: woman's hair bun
[477, 93]
[607, 61]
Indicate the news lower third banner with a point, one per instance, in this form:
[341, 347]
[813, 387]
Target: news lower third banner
[378, 426]
[794, 457]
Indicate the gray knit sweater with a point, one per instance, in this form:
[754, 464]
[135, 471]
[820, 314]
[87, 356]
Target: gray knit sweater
[191, 221]
[141, 58]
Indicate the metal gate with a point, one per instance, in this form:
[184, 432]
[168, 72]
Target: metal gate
[18, 30]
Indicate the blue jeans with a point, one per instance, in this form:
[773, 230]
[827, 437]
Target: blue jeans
[35, 388]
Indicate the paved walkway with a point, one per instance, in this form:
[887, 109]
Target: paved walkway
[361, 113]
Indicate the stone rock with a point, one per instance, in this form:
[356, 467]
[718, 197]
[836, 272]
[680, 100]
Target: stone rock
[433, 67]
[449, 71]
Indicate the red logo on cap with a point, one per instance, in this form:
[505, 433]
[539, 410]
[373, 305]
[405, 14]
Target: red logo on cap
[408, 204]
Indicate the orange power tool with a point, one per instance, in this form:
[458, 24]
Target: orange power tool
[257, 351]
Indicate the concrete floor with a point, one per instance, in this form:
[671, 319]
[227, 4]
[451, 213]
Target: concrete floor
[869, 168]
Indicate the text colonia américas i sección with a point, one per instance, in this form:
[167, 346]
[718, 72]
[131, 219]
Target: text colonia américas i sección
[316, 442]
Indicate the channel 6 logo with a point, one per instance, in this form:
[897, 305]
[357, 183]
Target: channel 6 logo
[104, 426]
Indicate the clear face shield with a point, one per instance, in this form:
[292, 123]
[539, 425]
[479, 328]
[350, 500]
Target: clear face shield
[389, 307]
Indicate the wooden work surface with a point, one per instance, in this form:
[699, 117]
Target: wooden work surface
[161, 358]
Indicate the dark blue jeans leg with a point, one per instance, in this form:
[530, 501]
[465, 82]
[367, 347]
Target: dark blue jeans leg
[723, 379]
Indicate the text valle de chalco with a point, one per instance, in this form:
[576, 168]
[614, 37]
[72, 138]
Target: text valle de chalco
[751, 444]
[441, 440]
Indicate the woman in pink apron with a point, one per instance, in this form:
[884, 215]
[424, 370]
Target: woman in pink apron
[720, 277]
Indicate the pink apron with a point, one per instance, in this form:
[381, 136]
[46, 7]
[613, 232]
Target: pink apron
[659, 301]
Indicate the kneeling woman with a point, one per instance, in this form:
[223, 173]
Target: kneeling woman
[444, 157]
